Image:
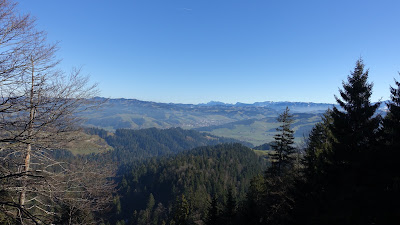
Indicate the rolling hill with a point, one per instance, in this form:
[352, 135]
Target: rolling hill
[254, 123]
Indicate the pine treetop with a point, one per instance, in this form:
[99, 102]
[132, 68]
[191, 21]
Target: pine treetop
[283, 145]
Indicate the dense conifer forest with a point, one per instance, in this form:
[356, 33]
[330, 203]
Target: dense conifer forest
[195, 175]
[139, 144]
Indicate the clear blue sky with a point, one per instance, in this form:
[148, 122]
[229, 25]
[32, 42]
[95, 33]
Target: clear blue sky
[193, 51]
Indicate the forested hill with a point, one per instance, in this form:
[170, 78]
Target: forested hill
[149, 189]
[130, 145]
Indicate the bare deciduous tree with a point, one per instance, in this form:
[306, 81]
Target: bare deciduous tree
[38, 106]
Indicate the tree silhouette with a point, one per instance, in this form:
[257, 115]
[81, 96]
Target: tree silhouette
[281, 158]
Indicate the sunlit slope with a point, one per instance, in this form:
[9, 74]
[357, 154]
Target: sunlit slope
[259, 131]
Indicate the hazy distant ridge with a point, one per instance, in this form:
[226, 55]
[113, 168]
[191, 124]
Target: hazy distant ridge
[294, 106]
[254, 123]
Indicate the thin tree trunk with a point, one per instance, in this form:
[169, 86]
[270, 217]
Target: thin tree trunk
[26, 168]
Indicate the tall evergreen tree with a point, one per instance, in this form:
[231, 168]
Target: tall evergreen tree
[181, 211]
[213, 214]
[387, 160]
[318, 147]
[268, 199]
[253, 211]
[150, 202]
[282, 158]
[355, 126]
[392, 119]
[347, 190]
[309, 191]
[229, 212]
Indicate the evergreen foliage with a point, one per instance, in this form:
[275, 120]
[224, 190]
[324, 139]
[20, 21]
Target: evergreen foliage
[230, 207]
[355, 127]
[269, 200]
[282, 157]
[349, 172]
[318, 149]
[388, 166]
[180, 211]
[253, 209]
[198, 174]
[392, 119]
[213, 213]
[355, 133]
[345, 179]
[132, 145]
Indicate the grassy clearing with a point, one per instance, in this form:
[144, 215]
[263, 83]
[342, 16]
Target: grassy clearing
[262, 152]
[87, 144]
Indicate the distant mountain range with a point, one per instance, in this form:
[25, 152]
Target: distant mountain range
[300, 107]
[254, 123]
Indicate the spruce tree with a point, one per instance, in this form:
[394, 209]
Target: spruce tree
[213, 214]
[181, 210]
[282, 159]
[229, 212]
[276, 202]
[348, 191]
[253, 209]
[392, 119]
[355, 125]
[387, 160]
[318, 147]
[309, 193]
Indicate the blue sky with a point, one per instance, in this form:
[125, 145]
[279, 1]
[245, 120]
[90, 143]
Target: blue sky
[195, 51]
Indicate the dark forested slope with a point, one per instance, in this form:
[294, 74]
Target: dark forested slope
[131, 145]
[148, 189]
